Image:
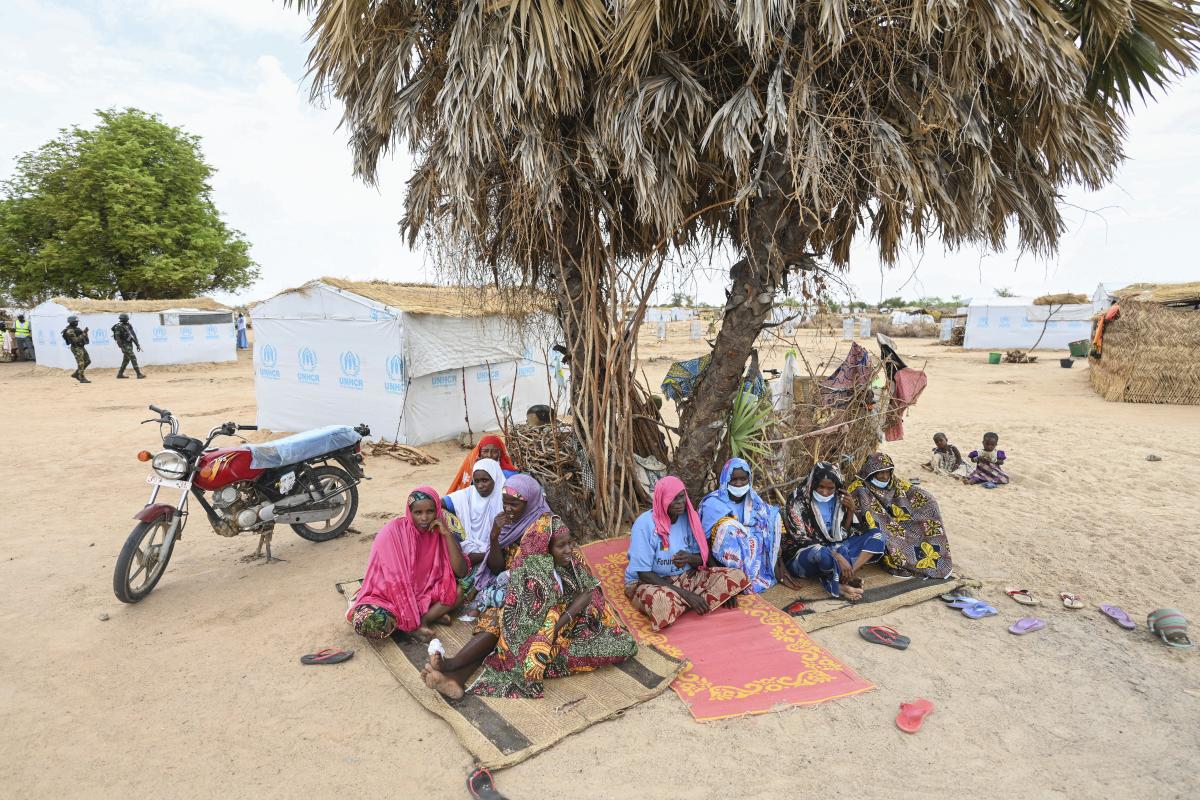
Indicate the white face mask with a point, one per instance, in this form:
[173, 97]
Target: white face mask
[880, 484]
[822, 498]
[739, 491]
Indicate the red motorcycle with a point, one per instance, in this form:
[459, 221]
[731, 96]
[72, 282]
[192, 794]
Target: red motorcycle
[308, 481]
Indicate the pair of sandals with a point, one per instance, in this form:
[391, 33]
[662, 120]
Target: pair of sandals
[1026, 598]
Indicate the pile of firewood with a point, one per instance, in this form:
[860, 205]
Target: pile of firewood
[401, 452]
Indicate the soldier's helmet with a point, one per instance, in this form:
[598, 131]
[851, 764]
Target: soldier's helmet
[72, 319]
[123, 317]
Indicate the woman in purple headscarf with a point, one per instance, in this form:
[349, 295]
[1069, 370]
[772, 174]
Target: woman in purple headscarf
[524, 507]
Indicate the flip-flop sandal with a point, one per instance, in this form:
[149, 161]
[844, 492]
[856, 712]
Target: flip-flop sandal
[479, 784]
[913, 714]
[1170, 626]
[1026, 625]
[881, 634]
[1118, 615]
[989, 485]
[1022, 596]
[957, 594]
[979, 611]
[967, 602]
[1071, 601]
[330, 655]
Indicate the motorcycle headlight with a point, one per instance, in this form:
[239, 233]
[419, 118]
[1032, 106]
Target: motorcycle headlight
[170, 464]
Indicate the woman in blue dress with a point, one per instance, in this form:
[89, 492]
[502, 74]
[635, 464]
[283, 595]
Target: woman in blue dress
[744, 529]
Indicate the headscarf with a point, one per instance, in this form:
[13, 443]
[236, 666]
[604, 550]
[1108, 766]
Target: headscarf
[476, 512]
[880, 462]
[463, 478]
[667, 489]
[523, 487]
[719, 504]
[802, 501]
[389, 581]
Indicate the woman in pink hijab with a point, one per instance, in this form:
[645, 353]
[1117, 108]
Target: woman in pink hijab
[412, 575]
[669, 567]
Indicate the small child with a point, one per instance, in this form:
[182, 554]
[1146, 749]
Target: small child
[989, 462]
[947, 460]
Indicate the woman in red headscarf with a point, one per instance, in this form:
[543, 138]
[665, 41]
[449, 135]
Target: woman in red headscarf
[412, 574]
[669, 569]
[490, 446]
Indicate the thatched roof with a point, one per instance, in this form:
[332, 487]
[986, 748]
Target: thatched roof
[1147, 356]
[1169, 294]
[1064, 299]
[442, 301]
[87, 306]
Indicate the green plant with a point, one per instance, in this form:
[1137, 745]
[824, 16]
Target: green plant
[748, 426]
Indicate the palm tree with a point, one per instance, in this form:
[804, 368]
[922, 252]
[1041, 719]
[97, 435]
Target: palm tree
[570, 145]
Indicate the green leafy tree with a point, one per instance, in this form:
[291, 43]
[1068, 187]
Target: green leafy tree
[1004, 291]
[122, 209]
[893, 302]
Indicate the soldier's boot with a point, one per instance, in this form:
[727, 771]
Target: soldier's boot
[138, 372]
[75, 374]
[83, 378]
[121, 373]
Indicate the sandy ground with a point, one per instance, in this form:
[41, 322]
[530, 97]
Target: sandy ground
[197, 691]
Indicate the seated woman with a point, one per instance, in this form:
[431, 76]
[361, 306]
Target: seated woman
[412, 573]
[989, 462]
[524, 510]
[826, 537]
[478, 507]
[490, 446]
[744, 529]
[554, 622]
[669, 570]
[916, 537]
[946, 460]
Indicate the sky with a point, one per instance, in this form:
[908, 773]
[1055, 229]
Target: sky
[232, 72]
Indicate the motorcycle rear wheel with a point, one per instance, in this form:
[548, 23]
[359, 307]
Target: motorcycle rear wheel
[142, 561]
[325, 480]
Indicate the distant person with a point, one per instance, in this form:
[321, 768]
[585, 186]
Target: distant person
[24, 336]
[539, 416]
[947, 460]
[243, 343]
[126, 338]
[490, 446]
[989, 462]
[77, 339]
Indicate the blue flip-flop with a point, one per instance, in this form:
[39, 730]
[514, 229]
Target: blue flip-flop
[990, 485]
[979, 610]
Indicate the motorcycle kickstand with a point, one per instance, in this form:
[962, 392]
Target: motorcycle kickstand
[265, 539]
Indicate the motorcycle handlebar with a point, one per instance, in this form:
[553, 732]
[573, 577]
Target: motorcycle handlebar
[160, 411]
[247, 427]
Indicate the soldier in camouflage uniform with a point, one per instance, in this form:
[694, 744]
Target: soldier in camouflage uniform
[76, 338]
[126, 339]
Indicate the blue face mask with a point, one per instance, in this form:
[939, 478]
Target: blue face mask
[739, 491]
[880, 484]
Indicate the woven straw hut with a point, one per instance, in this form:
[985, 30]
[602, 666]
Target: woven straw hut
[1148, 353]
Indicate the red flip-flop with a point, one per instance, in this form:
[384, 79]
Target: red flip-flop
[330, 655]
[913, 714]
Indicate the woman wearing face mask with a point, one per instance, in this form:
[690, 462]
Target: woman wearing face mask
[826, 537]
[744, 529]
[916, 537]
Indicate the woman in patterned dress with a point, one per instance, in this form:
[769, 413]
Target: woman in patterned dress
[553, 622]
[744, 529]
[916, 538]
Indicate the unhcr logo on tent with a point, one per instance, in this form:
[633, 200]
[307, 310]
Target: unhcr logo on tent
[483, 375]
[268, 358]
[158, 334]
[186, 334]
[446, 379]
[101, 337]
[308, 367]
[351, 367]
[395, 373]
[211, 332]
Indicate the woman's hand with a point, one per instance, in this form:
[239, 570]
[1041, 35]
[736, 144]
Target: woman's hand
[566, 621]
[846, 569]
[685, 559]
[694, 601]
[439, 526]
[498, 523]
[848, 504]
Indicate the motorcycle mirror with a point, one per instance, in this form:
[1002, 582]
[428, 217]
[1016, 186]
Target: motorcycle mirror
[144, 456]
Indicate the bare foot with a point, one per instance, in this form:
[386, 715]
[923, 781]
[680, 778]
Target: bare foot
[443, 620]
[851, 593]
[443, 684]
[423, 635]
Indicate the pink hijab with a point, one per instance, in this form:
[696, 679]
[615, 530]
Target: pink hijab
[666, 490]
[390, 582]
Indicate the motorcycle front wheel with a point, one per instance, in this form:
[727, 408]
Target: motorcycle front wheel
[143, 560]
[327, 480]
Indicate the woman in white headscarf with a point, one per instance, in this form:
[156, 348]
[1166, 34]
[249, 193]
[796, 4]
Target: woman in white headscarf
[477, 507]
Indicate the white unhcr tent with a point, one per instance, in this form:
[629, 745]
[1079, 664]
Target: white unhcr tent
[1014, 323]
[195, 330]
[417, 363]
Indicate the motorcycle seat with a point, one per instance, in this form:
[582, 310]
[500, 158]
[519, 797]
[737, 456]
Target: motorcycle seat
[300, 447]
